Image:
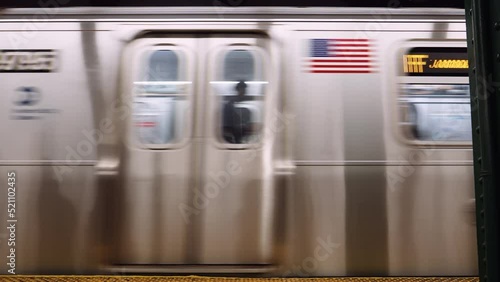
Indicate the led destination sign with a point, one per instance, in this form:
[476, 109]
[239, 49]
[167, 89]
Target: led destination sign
[432, 61]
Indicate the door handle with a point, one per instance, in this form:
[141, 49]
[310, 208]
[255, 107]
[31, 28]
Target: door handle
[470, 211]
[285, 167]
[107, 167]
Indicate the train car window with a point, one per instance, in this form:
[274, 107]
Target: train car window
[434, 97]
[239, 65]
[240, 89]
[163, 66]
[161, 101]
[436, 112]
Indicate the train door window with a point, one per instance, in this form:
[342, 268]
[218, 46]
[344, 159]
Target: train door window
[434, 97]
[240, 86]
[161, 101]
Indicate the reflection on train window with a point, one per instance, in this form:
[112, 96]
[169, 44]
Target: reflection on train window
[239, 65]
[163, 66]
[161, 103]
[431, 112]
[240, 88]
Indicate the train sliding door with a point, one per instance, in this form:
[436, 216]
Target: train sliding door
[158, 156]
[236, 175]
[196, 175]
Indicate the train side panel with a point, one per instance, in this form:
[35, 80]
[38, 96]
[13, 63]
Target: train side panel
[389, 207]
[358, 203]
[50, 142]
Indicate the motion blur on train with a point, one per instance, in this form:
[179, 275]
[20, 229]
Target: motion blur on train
[264, 141]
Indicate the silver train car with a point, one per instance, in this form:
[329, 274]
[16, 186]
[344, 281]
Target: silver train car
[264, 141]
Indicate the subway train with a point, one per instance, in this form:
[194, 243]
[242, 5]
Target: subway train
[267, 141]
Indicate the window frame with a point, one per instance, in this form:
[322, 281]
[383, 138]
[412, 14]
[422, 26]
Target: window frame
[216, 69]
[185, 74]
[402, 79]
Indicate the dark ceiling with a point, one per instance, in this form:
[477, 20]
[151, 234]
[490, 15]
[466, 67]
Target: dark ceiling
[288, 3]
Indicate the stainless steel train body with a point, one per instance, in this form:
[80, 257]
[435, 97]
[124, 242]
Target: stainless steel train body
[111, 121]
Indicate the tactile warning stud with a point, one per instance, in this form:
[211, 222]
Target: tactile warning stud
[76, 278]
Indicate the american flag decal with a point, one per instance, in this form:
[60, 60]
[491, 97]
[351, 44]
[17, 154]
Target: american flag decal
[340, 56]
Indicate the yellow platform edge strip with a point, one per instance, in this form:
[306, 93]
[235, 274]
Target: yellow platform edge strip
[118, 278]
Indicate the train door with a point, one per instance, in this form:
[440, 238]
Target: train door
[158, 153]
[237, 156]
[196, 174]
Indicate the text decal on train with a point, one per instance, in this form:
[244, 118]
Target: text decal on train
[436, 61]
[340, 55]
[28, 60]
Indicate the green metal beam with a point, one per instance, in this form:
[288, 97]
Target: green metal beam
[483, 41]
